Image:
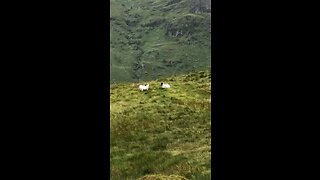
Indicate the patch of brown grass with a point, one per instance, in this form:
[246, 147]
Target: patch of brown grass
[162, 177]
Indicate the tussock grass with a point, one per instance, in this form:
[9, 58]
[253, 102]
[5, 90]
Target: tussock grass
[161, 131]
[162, 177]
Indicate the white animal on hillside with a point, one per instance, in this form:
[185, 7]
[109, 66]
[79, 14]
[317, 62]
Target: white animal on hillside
[165, 86]
[144, 87]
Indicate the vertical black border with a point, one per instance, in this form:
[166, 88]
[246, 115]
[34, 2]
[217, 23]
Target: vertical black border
[103, 69]
[217, 140]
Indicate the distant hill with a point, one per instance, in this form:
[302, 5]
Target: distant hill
[159, 38]
[161, 131]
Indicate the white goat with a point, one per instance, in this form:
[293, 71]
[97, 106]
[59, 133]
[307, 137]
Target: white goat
[165, 86]
[144, 87]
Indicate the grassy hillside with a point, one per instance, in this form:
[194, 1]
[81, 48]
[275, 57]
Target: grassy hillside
[161, 132]
[159, 38]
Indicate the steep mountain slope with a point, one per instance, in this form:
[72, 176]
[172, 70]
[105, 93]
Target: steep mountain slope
[159, 38]
[162, 131]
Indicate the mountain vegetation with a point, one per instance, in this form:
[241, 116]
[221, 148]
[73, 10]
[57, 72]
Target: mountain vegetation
[158, 38]
[161, 133]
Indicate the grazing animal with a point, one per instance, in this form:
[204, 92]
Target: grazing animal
[144, 87]
[165, 86]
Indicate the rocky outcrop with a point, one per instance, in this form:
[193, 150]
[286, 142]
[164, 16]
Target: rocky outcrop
[201, 6]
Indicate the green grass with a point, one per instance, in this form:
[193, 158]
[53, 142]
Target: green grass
[161, 131]
[141, 43]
